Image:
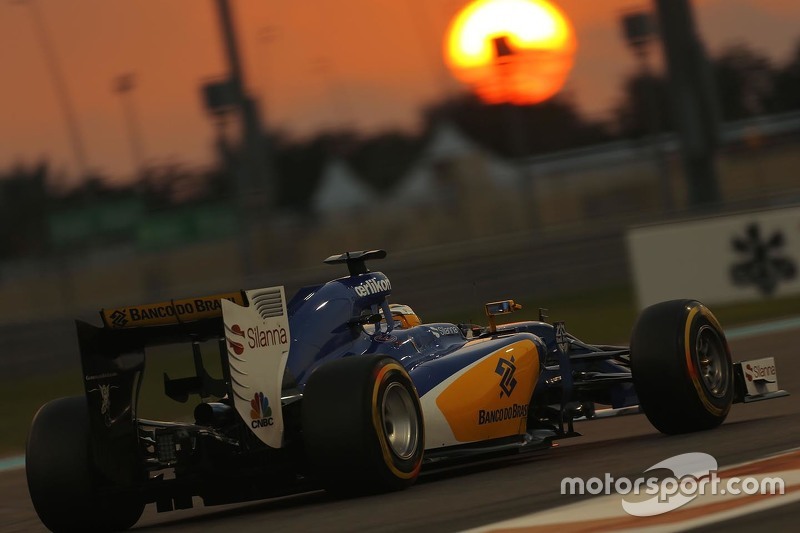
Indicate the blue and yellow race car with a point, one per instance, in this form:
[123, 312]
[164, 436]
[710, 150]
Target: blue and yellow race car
[339, 389]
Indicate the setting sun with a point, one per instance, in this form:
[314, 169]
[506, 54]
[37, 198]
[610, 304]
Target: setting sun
[517, 51]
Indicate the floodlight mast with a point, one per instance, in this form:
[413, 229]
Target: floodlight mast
[59, 85]
[693, 99]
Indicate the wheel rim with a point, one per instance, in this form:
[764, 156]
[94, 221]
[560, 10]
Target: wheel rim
[712, 361]
[400, 422]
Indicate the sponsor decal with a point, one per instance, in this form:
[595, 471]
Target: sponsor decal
[105, 402]
[760, 376]
[384, 337]
[172, 312]
[233, 344]
[95, 377]
[758, 372]
[472, 405]
[561, 337]
[439, 331]
[492, 416]
[506, 370]
[373, 286]
[119, 318]
[260, 411]
[261, 338]
[256, 337]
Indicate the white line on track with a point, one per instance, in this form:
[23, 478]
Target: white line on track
[755, 330]
[12, 463]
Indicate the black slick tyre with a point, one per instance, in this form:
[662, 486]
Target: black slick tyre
[681, 366]
[60, 478]
[363, 430]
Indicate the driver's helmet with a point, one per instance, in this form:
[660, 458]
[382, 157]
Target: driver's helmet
[404, 317]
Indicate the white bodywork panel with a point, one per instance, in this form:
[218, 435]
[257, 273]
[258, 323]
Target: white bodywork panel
[257, 339]
[760, 376]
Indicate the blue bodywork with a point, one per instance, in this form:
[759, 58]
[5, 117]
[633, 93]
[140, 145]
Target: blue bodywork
[324, 323]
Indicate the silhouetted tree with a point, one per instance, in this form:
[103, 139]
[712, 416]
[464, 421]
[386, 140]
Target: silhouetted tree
[744, 80]
[515, 131]
[786, 91]
[383, 159]
[24, 204]
[298, 166]
[645, 107]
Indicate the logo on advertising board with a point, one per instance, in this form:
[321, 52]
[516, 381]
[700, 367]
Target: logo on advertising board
[506, 369]
[260, 411]
[764, 263]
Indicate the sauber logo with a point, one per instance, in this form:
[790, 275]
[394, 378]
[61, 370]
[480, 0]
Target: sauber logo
[506, 369]
[118, 318]
[260, 411]
[373, 286]
[760, 372]
[235, 345]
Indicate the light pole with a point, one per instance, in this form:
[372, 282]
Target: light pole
[124, 85]
[639, 28]
[694, 101]
[255, 184]
[59, 85]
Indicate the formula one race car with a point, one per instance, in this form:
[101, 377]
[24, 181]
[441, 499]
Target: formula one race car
[338, 389]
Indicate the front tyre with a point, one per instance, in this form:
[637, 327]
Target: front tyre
[681, 366]
[59, 471]
[362, 425]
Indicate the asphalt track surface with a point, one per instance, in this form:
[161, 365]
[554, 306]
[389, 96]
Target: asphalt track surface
[490, 492]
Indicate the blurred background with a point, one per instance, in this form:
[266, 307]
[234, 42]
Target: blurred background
[157, 150]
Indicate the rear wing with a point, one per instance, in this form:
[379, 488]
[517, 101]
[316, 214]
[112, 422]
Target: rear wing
[113, 359]
[252, 340]
[133, 328]
[170, 312]
[118, 346]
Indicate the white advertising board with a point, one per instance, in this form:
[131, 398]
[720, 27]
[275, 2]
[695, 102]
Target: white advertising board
[734, 258]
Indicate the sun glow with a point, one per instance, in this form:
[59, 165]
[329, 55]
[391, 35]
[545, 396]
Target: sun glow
[518, 51]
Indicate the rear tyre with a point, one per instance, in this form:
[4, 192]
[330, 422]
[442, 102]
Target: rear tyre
[59, 471]
[362, 425]
[681, 366]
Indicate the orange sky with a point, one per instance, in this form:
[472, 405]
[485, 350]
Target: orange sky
[324, 63]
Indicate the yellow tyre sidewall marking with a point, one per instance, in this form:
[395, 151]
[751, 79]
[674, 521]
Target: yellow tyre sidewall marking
[378, 423]
[694, 373]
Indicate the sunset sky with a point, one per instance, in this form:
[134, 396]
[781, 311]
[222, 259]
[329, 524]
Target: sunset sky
[369, 64]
